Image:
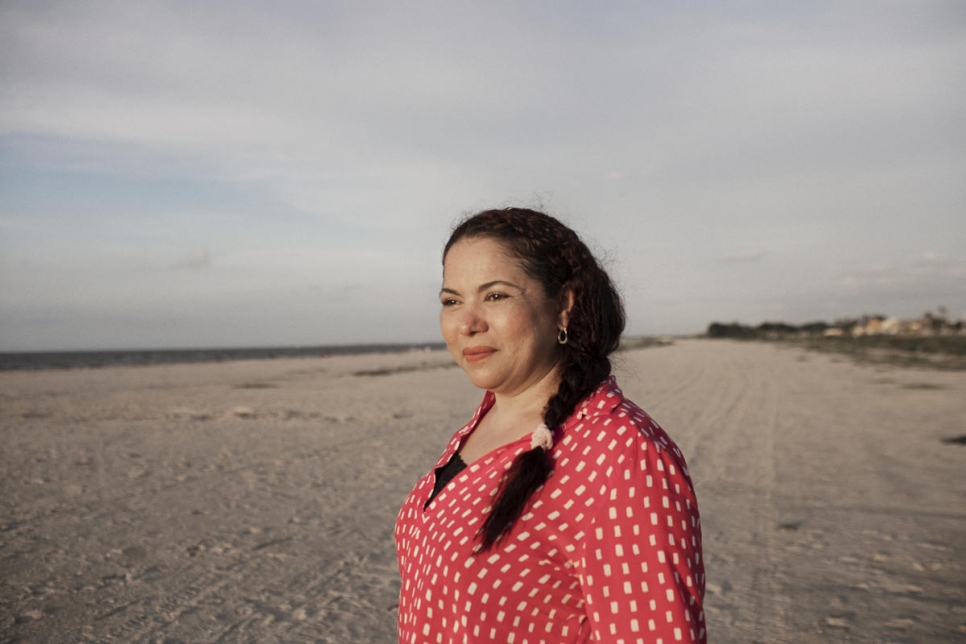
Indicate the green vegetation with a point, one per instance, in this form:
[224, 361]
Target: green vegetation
[932, 341]
[935, 352]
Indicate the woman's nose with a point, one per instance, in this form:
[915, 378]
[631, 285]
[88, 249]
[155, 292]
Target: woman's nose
[472, 322]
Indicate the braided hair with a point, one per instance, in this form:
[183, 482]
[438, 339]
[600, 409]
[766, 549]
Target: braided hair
[554, 255]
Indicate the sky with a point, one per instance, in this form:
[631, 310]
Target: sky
[233, 174]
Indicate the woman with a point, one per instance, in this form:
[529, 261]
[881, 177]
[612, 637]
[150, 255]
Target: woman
[561, 512]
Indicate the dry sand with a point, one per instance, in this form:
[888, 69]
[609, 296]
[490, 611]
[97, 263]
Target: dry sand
[254, 501]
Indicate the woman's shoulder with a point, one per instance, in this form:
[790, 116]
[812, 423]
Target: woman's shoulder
[607, 428]
[605, 410]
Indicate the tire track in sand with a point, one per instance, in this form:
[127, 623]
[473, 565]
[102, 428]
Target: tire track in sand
[721, 407]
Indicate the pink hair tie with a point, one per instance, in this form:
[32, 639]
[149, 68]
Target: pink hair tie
[542, 437]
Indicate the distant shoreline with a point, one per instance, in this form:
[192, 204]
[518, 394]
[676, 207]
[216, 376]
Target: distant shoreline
[96, 359]
[55, 360]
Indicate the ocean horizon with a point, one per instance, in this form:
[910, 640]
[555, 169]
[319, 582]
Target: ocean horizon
[93, 359]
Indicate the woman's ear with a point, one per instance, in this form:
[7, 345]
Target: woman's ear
[566, 306]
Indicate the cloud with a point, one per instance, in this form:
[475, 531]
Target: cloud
[906, 288]
[743, 256]
[196, 258]
[336, 142]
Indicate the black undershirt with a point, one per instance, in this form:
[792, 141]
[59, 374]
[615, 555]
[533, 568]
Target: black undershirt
[446, 474]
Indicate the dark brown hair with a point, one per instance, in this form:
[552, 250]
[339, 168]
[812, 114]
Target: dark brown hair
[554, 255]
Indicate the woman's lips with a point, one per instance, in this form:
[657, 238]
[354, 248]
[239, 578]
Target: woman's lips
[475, 354]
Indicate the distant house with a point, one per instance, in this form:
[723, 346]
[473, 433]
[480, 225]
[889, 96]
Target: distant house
[911, 327]
[877, 325]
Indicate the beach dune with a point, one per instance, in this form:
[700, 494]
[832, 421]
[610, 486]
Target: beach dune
[254, 501]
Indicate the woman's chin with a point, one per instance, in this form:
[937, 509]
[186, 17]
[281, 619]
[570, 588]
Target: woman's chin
[480, 378]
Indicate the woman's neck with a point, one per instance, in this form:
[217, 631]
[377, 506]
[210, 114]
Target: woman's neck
[511, 417]
[529, 403]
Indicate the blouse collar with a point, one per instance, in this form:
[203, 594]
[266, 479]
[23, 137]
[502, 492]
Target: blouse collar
[601, 401]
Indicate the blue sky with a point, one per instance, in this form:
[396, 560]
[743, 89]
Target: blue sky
[178, 174]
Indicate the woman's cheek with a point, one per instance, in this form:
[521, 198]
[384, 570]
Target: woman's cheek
[449, 329]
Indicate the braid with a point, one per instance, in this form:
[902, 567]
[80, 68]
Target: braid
[553, 254]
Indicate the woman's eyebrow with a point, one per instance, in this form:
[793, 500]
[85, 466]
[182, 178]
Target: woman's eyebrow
[483, 287]
[490, 285]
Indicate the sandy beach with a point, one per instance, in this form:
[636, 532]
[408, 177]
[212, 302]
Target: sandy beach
[254, 501]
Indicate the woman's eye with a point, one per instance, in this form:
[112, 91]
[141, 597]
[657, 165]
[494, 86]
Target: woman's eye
[493, 297]
[448, 302]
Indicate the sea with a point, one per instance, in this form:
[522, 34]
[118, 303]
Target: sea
[41, 360]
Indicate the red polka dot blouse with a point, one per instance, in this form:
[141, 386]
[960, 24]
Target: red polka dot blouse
[608, 551]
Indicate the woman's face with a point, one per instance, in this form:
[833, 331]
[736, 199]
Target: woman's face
[496, 320]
